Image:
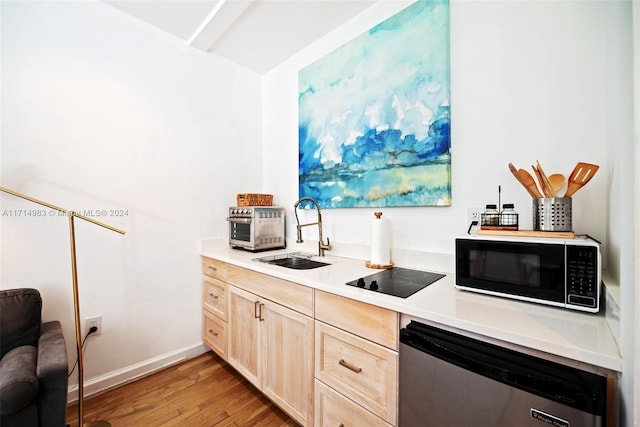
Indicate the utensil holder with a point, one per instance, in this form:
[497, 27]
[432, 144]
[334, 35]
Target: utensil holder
[552, 214]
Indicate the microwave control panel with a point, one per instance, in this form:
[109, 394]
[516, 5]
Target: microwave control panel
[582, 276]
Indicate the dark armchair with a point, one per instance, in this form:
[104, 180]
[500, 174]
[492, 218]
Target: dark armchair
[33, 365]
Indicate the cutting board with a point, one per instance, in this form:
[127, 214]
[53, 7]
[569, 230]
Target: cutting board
[529, 233]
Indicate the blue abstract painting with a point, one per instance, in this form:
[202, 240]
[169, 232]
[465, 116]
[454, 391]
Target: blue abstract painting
[374, 119]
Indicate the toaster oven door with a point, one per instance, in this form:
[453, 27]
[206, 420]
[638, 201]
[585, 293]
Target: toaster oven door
[241, 232]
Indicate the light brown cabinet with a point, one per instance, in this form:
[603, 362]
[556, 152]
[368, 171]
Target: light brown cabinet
[370, 322]
[214, 305]
[214, 333]
[287, 360]
[270, 343]
[244, 332]
[214, 298]
[356, 349]
[333, 409]
[339, 369]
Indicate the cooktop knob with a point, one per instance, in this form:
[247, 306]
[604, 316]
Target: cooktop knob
[360, 283]
[374, 285]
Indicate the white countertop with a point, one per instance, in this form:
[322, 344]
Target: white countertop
[551, 332]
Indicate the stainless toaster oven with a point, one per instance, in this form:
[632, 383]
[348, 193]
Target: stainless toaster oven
[256, 228]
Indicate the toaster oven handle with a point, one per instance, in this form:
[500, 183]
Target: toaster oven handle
[245, 220]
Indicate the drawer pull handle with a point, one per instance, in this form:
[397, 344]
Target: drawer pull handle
[215, 334]
[213, 296]
[260, 313]
[256, 315]
[341, 425]
[350, 366]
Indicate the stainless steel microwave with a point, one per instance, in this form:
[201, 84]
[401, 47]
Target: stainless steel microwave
[256, 228]
[559, 272]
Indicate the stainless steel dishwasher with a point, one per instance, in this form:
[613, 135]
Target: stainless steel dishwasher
[447, 379]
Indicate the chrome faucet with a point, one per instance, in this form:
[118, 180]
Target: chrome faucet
[321, 245]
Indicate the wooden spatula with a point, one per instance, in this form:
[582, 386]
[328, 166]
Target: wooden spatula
[545, 179]
[581, 175]
[546, 191]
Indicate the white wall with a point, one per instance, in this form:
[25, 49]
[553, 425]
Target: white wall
[519, 94]
[100, 111]
[531, 80]
[621, 161]
[633, 382]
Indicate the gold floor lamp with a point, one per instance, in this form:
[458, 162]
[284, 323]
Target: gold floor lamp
[76, 301]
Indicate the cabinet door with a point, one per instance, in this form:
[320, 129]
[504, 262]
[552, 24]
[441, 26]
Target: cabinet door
[243, 352]
[214, 333]
[214, 296]
[368, 321]
[287, 360]
[289, 294]
[365, 372]
[214, 268]
[333, 409]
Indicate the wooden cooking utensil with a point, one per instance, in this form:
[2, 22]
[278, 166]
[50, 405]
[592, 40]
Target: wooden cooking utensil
[556, 181]
[515, 173]
[580, 176]
[545, 190]
[528, 181]
[545, 179]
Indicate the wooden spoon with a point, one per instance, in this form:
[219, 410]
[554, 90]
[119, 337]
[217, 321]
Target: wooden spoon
[582, 173]
[556, 181]
[528, 181]
[515, 173]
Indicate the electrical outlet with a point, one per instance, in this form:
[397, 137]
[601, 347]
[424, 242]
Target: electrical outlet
[473, 214]
[90, 322]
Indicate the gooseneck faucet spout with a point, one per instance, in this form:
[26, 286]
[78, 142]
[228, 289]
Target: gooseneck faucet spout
[322, 247]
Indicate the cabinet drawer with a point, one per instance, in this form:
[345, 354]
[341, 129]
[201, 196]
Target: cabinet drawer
[365, 372]
[214, 296]
[292, 295]
[333, 409]
[374, 323]
[214, 333]
[214, 268]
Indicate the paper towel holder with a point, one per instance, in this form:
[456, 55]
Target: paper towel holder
[368, 264]
[379, 266]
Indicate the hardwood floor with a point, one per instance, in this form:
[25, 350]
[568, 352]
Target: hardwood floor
[203, 391]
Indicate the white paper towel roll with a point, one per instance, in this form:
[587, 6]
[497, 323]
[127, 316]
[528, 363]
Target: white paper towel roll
[380, 241]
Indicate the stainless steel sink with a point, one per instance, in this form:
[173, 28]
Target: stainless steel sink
[294, 260]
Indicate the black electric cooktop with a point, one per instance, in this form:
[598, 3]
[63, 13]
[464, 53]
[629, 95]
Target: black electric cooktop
[399, 282]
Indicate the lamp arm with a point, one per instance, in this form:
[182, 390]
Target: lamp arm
[76, 298]
[59, 209]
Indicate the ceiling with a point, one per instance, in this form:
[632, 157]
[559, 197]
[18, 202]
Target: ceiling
[257, 34]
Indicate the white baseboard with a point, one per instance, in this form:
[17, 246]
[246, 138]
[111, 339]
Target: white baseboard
[134, 372]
